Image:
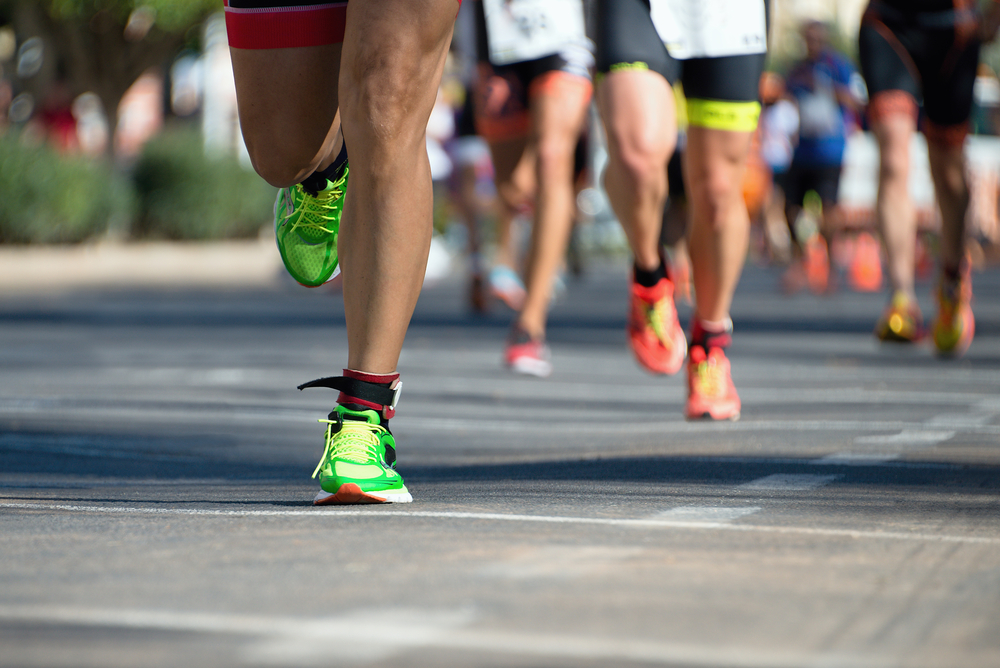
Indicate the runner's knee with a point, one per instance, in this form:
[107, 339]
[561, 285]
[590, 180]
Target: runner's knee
[282, 165]
[387, 96]
[715, 193]
[555, 155]
[643, 161]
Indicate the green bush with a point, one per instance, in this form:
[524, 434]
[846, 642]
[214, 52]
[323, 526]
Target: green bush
[185, 195]
[46, 197]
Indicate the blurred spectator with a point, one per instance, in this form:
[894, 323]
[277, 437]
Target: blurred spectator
[58, 124]
[986, 102]
[821, 84]
[779, 133]
[91, 124]
[140, 115]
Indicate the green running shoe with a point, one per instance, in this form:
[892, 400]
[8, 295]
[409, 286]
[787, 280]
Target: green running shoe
[357, 463]
[306, 228]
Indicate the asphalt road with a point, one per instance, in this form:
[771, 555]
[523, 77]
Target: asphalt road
[154, 490]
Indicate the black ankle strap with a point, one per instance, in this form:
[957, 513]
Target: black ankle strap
[373, 392]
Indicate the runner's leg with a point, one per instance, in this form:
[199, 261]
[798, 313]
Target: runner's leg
[640, 122]
[393, 58]
[894, 210]
[952, 190]
[720, 225]
[558, 113]
[287, 100]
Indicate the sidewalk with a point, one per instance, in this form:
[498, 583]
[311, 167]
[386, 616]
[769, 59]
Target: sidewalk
[37, 269]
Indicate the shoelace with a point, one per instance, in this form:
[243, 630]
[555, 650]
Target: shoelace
[657, 316]
[314, 212]
[356, 441]
[710, 378]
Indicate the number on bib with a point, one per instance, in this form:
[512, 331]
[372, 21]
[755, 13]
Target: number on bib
[522, 30]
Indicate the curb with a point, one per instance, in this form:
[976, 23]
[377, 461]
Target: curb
[216, 264]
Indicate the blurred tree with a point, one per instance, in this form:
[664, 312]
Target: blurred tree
[105, 45]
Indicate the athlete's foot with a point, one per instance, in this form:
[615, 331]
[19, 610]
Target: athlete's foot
[358, 461]
[526, 355]
[711, 393]
[306, 227]
[955, 326]
[654, 334]
[507, 286]
[816, 260]
[902, 321]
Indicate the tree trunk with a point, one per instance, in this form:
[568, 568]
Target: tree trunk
[93, 55]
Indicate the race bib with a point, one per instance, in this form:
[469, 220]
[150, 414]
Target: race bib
[710, 28]
[522, 30]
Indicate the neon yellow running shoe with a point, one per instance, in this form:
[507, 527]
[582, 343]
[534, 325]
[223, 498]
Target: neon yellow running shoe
[901, 322]
[307, 227]
[955, 326]
[358, 460]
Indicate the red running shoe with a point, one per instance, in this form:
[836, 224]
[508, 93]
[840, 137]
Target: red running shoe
[527, 356]
[654, 334]
[711, 393]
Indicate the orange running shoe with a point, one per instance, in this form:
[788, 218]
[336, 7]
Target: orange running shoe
[711, 393]
[866, 268]
[955, 325]
[816, 260]
[654, 333]
[901, 322]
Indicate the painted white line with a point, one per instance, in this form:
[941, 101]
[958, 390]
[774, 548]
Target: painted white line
[789, 482]
[330, 513]
[362, 636]
[705, 513]
[375, 634]
[858, 458]
[907, 438]
[889, 447]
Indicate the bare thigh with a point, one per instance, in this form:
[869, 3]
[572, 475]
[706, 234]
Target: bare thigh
[288, 108]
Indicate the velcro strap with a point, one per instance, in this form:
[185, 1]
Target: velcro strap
[373, 392]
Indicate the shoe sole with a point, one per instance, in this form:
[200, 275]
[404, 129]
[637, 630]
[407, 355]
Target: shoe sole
[350, 493]
[531, 367]
[648, 363]
[708, 416]
[962, 347]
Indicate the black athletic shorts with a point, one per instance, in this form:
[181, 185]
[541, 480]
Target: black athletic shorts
[800, 179]
[722, 93]
[927, 57]
[502, 93]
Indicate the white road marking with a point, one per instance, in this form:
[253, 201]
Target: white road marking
[857, 458]
[705, 513]
[330, 513]
[907, 438]
[790, 482]
[889, 447]
[369, 636]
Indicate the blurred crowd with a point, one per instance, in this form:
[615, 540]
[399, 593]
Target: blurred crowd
[809, 185]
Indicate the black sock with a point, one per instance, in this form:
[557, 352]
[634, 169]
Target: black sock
[951, 274]
[317, 180]
[648, 279]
